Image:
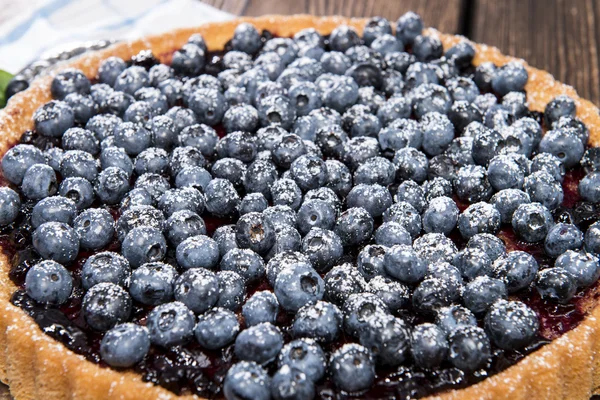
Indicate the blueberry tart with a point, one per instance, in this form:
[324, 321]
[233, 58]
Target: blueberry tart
[300, 207]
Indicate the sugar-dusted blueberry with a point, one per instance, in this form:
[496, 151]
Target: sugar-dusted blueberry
[429, 346]
[105, 266]
[473, 262]
[504, 173]
[10, 204]
[510, 77]
[352, 367]
[517, 269]
[472, 184]
[392, 233]
[440, 216]
[56, 241]
[298, 285]
[260, 343]
[479, 218]
[95, 228]
[114, 156]
[197, 288]
[247, 379]
[106, 305]
[430, 97]
[182, 225]
[492, 245]
[144, 244]
[125, 345]
[469, 348]
[221, 197]
[216, 328]
[582, 266]
[163, 131]
[18, 160]
[370, 261]
[507, 201]
[261, 307]
[79, 190]
[427, 48]
[564, 144]
[556, 284]
[511, 324]
[152, 283]
[560, 106]
[70, 80]
[388, 338]
[48, 282]
[194, 177]
[434, 293]
[138, 216]
[170, 324]
[55, 208]
[532, 222]
[245, 262]
[588, 187]
[232, 290]
[343, 281]
[110, 69]
[482, 292]
[562, 237]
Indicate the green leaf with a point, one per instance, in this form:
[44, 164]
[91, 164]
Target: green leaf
[5, 77]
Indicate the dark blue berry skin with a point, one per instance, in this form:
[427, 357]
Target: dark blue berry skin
[56, 241]
[376, 170]
[186, 198]
[125, 345]
[281, 261]
[510, 77]
[562, 237]
[253, 202]
[139, 112]
[221, 198]
[138, 216]
[437, 187]
[316, 214]
[342, 95]
[280, 215]
[200, 136]
[79, 190]
[298, 285]
[394, 294]
[55, 208]
[511, 324]
[48, 282]
[232, 290]
[209, 105]
[198, 289]
[287, 193]
[560, 106]
[375, 199]
[321, 321]
[493, 246]
[486, 144]
[144, 244]
[370, 261]
[473, 262]
[260, 177]
[116, 157]
[83, 107]
[462, 53]
[406, 215]
[155, 98]
[189, 60]
[430, 97]
[110, 69]
[238, 386]
[331, 140]
[309, 172]
[230, 169]
[358, 121]
[517, 269]
[479, 218]
[453, 317]
[163, 131]
[95, 228]
[532, 222]
[255, 232]
[305, 97]
[564, 144]
[39, 182]
[242, 117]
[112, 184]
[194, 177]
[69, 81]
[427, 48]
[133, 138]
[304, 355]
[152, 283]
[392, 233]
[245, 262]
[246, 39]
[402, 263]
[440, 216]
[433, 293]
[343, 281]
[106, 305]
[77, 163]
[472, 184]
[152, 160]
[260, 307]
[589, 189]
[170, 324]
[507, 201]
[216, 328]
[354, 226]
[411, 164]
[289, 148]
[408, 27]
[482, 292]
[592, 238]
[410, 192]
[429, 346]
[352, 367]
[469, 348]
[556, 284]
[583, 267]
[575, 125]
[393, 109]
[18, 160]
[198, 252]
[54, 157]
[260, 343]
[590, 160]
[388, 339]
[504, 173]
[132, 79]
[498, 117]
[105, 267]
[287, 238]
[182, 225]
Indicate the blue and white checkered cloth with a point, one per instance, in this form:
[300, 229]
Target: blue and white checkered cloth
[60, 24]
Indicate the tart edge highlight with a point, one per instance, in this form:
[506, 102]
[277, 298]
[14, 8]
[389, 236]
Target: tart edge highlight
[36, 366]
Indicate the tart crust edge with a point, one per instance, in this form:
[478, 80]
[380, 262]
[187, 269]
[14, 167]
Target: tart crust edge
[36, 366]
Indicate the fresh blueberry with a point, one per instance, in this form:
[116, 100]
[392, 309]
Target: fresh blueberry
[198, 289]
[110, 69]
[482, 292]
[77, 163]
[246, 38]
[370, 261]
[321, 321]
[562, 237]
[440, 216]
[410, 192]
[232, 290]
[487, 143]
[138, 216]
[261, 307]
[343, 281]
[592, 238]
[55, 208]
[473, 262]
[48, 282]
[532, 222]
[125, 345]
[116, 157]
[106, 305]
[182, 225]
[588, 187]
[39, 182]
[132, 138]
[194, 177]
[144, 244]
[479, 218]
[461, 53]
[83, 107]
[170, 324]
[511, 324]
[69, 81]
[298, 285]
[469, 348]
[408, 27]
[556, 284]
[394, 294]
[354, 226]
[95, 228]
[403, 263]
[18, 160]
[56, 241]
[431, 97]
[352, 367]
[245, 262]
[189, 60]
[507, 201]
[510, 77]
[216, 328]
[504, 173]
[376, 170]
[564, 144]
[575, 125]
[79, 190]
[152, 160]
[560, 106]
[434, 293]
[186, 198]
[152, 283]
[429, 346]
[583, 267]
[406, 215]
[517, 269]
[139, 112]
[392, 233]
[105, 267]
[472, 184]
[411, 164]
[112, 184]
[132, 79]
[260, 343]
[221, 198]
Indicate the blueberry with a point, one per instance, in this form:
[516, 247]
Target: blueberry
[411, 164]
[440, 216]
[260, 176]
[316, 213]
[402, 262]
[83, 107]
[507, 201]
[394, 294]
[564, 144]
[562, 237]
[95, 228]
[304, 355]
[106, 305]
[406, 215]
[408, 27]
[588, 187]
[189, 60]
[473, 262]
[246, 38]
[261, 307]
[343, 281]
[320, 321]
[139, 112]
[427, 48]
[479, 218]
[198, 252]
[487, 143]
[370, 261]
[575, 125]
[216, 328]
[410, 192]
[298, 285]
[237, 60]
[221, 198]
[260, 343]
[431, 97]
[56, 241]
[245, 262]
[469, 348]
[510, 77]
[69, 81]
[560, 106]
[392, 233]
[144, 244]
[48, 282]
[433, 293]
[482, 292]
[163, 131]
[132, 79]
[492, 245]
[116, 157]
[133, 138]
[232, 290]
[532, 222]
[242, 117]
[125, 345]
[105, 267]
[472, 184]
[592, 238]
[511, 324]
[194, 177]
[556, 284]
[354, 226]
[10, 204]
[182, 225]
[197, 288]
[112, 184]
[453, 317]
[504, 173]
[429, 346]
[352, 367]
[152, 283]
[462, 113]
[280, 215]
[461, 53]
[437, 187]
[590, 160]
[110, 69]
[79, 190]
[18, 160]
[517, 269]
[55, 208]
[374, 28]
[138, 216]
[375, 199]
[54, 156]
[170, 324]
[255, 232]
[583, 267]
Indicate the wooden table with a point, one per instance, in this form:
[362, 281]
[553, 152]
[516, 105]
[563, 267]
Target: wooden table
[560, 36]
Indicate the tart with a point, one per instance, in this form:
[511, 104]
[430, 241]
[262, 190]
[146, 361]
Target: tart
[474, 281]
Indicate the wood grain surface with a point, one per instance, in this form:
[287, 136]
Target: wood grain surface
[561, 36]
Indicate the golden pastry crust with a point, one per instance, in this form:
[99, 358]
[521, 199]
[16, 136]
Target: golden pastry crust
[36, 366]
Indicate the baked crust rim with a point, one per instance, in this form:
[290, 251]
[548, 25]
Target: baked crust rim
[36, 366]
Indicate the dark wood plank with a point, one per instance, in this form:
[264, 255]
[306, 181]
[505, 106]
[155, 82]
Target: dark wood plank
[560, 36]
[442, 14]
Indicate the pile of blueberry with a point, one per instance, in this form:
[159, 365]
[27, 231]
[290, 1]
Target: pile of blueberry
[326, 207]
